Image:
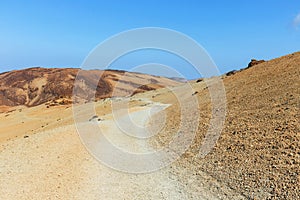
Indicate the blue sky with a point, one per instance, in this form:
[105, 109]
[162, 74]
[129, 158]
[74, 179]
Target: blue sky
[62, 33]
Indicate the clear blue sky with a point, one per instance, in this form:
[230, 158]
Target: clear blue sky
[61, 33]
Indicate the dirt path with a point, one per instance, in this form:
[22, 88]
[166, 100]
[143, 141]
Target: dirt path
[55, 165]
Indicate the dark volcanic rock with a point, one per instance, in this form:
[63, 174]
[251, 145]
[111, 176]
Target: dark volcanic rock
[231, 72]
[255, 62]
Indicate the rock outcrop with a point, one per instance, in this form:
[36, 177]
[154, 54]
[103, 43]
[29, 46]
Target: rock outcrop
[255, 62]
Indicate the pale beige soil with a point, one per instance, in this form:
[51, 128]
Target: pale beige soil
[53, 164]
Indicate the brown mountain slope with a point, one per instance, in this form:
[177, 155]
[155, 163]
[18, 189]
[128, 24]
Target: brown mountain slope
[36, 86]
[258, 152]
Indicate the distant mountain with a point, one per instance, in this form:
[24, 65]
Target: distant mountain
[35, 86]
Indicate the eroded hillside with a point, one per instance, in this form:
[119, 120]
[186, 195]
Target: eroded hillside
[35, 86]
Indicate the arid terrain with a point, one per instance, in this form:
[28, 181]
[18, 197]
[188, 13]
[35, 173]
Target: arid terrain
[256, 157]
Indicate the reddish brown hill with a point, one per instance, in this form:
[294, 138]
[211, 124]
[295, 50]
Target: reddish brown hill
[35, 86]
